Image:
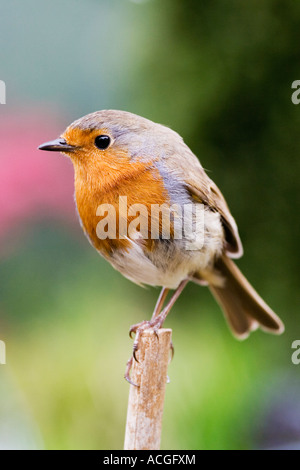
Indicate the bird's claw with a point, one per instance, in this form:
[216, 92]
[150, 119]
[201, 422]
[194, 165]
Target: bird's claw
[136, 327]
[172, 350]
[134, 351]
[127, 372]
[138, 330]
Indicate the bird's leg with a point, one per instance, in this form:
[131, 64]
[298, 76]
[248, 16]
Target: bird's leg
[140, 327]
[156, 321]
[159, 304]
[159, 320]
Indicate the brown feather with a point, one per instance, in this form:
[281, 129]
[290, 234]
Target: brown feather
[208, 193]
[243, 307]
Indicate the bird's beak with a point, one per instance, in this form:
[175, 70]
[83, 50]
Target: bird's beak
[57, 145]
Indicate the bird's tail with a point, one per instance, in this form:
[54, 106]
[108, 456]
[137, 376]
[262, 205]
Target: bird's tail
[244, 309]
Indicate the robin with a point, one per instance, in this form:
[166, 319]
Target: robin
[117, 154]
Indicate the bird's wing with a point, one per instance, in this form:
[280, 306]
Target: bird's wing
[202, 189]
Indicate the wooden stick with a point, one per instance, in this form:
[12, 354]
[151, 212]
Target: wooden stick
[146, 402]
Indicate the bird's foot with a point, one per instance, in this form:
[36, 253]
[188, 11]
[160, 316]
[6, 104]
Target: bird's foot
[138, 330]
[127, 372]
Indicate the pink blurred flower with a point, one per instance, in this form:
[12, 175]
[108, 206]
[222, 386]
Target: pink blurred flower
[33, 184]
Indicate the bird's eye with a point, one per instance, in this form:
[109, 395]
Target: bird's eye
[102, 142]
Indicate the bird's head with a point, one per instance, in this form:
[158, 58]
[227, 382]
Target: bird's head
[111, 137]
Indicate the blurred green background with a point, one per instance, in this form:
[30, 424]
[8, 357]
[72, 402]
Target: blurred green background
[220, 74]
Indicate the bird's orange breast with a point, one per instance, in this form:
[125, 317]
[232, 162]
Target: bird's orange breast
[103, 181]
